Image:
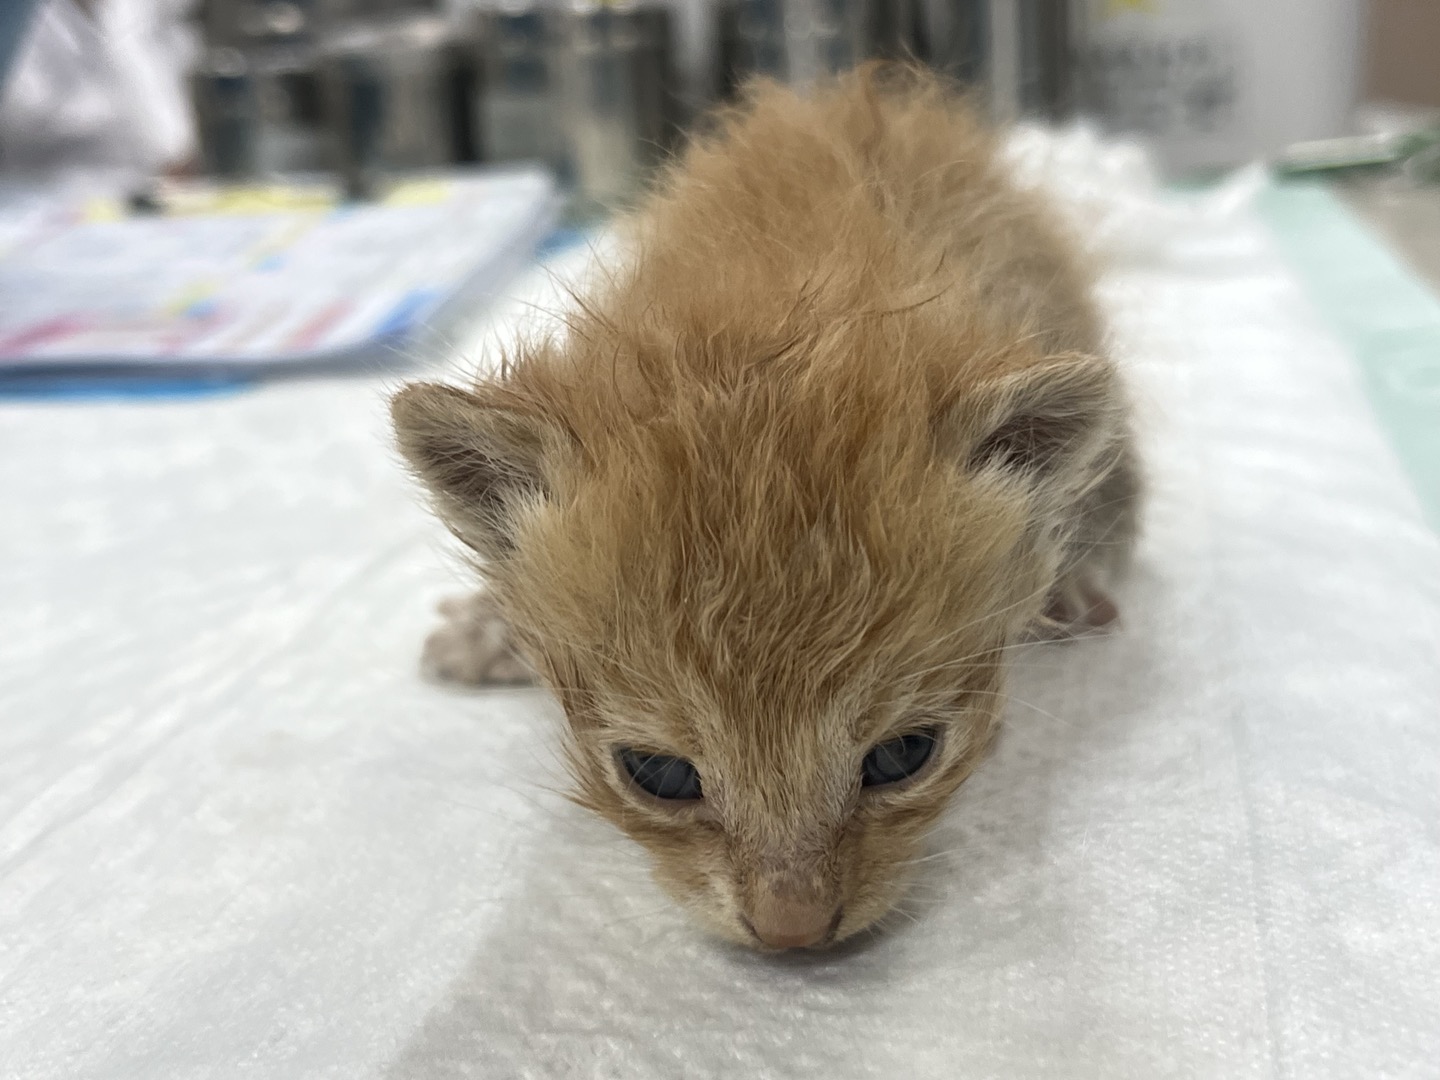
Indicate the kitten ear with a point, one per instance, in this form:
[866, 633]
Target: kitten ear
[1042, 426]
[480, 461]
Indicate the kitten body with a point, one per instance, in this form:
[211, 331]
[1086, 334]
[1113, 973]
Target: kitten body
[841, 431]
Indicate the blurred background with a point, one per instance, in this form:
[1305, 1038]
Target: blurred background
[244, 89]
[280, 105]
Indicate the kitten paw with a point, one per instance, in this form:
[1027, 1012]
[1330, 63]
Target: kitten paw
[473, 646]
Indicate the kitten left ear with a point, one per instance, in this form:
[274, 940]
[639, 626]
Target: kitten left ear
[482, 460]
[1041, 426]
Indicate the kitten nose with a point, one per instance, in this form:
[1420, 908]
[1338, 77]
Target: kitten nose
[786, 923]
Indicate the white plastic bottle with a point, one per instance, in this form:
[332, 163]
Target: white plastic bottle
[1211, 84]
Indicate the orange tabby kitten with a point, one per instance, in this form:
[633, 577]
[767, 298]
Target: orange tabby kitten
[767, 518]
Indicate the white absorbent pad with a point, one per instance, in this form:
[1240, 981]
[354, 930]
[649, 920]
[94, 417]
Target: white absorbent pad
[241, 837]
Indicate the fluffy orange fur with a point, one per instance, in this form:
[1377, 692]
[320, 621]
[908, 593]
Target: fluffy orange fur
[841, 431]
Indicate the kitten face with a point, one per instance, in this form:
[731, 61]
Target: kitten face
[787, 844]
[776, 708]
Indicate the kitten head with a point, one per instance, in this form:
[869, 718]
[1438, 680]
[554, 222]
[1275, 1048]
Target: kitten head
[774, 603]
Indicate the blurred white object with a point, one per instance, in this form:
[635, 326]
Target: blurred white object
[99, 89]
[1111, 195]
[1214, 83]
[228, 283]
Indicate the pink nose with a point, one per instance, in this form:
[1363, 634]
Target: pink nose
[789, 925]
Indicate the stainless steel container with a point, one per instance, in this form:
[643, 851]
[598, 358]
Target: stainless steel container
[339, 12]
[252, 23]
[1019, 51]
[398, 95]
[801, 41]
[518, 111]
[1039, 77]
[259, 113]
[257, 23]
[952, 37]
[618, 96]
[659, 51]
[731, 51]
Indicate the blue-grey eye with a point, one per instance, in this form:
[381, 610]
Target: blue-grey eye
[896, 759]
[661, 775]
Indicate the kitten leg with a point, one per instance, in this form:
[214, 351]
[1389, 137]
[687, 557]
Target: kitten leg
[473, 646]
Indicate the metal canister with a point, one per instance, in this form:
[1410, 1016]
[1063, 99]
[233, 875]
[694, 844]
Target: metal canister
[659, 47]
[801, 41]
[617, 95]
[252, 23]
[731, 52]
[1019, 51]
[1042, 83]
[797, 40]
[399, 95]
[517, 110]
[259, 113]
[341, 12]
[953, 37]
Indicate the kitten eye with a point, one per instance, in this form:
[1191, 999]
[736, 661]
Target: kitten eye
[661, 775]
[896, 759]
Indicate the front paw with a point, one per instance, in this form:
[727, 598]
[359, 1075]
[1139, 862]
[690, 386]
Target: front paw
[473, 646]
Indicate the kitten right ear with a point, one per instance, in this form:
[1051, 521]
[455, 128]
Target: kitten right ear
[1043, 426]
[480, 461]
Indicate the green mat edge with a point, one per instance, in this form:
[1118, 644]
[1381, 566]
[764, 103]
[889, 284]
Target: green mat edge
[1387, 318]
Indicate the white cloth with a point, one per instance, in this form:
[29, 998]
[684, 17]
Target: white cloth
[239, 836]
[99, 93]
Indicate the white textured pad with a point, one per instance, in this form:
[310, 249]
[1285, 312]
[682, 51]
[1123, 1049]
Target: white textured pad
[239, 836]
